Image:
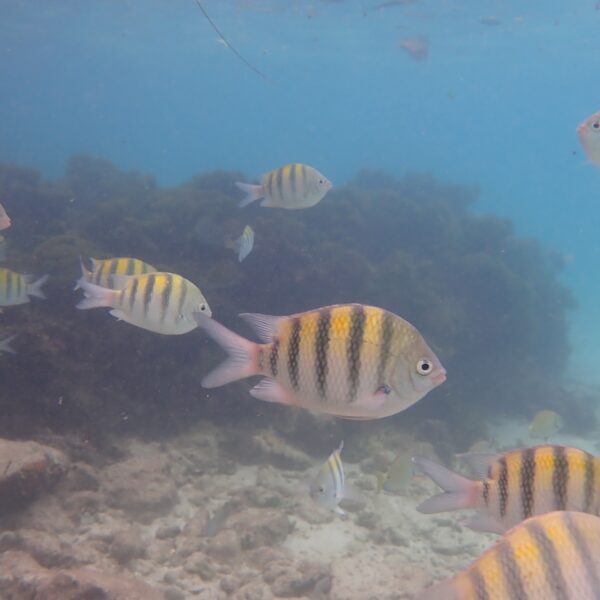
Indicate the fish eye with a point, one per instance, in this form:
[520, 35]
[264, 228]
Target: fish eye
[203, 307]
[321, 489]
[424, 366]
[596, 125]
[322, 182]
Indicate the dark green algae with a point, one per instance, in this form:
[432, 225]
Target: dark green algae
[490, 303]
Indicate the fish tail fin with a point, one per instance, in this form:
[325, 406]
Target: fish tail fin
[253, 192]
[95, 296]
[35, 288]
[459, 492]
[5, 345]
[243, 354]
[85, 276]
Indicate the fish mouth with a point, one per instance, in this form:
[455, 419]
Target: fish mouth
[439, 376]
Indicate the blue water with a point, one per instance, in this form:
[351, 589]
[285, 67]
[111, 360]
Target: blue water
[147, 85]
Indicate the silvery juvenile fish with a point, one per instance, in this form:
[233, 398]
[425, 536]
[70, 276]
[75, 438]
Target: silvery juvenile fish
[15, 288]
[5, 345]
[349, 360]
[589, 136]
[516, 485]
[328, 486]
[294, 186]
[5, 221]
[103, 271]
[398, 476]
[555, 556]
[545, 423]
[244, 244]
[159, 302]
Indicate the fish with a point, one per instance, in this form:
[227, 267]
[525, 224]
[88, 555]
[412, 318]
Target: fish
[293, 187]
[159, 302]
[588, 133]
[349, 360]
[5, 221]
[5, 345]
[244, 244]
[555, 556]
[545, 424]
[513, 486]
[103, 270]
[398, 476]
[417, 47]
[328, 486]
[3, 248]
[15, 288]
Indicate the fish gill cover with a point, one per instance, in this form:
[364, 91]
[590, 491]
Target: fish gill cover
[490, 303]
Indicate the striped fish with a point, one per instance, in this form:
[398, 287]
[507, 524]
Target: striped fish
[244, 244]
[15, 288]
[5, 345]
[159, 302]
[516, 485]
[103, 270]
[293, 186]
[327, 487]
[348, 360]
[555, 556]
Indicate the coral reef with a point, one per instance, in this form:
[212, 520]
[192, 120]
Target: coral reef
[490, 303]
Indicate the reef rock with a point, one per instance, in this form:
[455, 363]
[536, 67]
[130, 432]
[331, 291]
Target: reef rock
[260, 527]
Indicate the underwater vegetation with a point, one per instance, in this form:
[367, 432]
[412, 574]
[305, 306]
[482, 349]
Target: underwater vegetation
[490, 303]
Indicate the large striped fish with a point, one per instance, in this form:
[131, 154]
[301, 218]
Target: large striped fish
[15, 288]
[160, 302]
[103, 270]
[516, 485]
[348, 360]
[293, 186]
[555, 556]
[328, 486]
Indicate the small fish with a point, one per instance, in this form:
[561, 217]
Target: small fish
[545, 424]
[555, 556]
[349, 360]
[159, 302]
[15, 288]
[244, 244]
[417, 47]
[589, 137]
[5, 221]
[5, 345]
[328, 486]
[398, 476]
[513, 486]
[293, 187]
[103, 270]
[3, 248]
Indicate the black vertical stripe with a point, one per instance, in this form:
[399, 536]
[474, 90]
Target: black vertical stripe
[279, 184]
[134, 288]
[293, 354]
[148, 293]
[486, 493]
[550, 561]
[511, 572]
[165, 297]
[560, 478]
[293, 181]
[304, 180]
[20, 280]
[270, 178]
[274, 357]
[528, 468]
[385, 336]
[182, 295]
[130, 269]
[589, 483]
[321, 345]
[478, 583]
[261, 358]
[9, 286]
[114, 265]
[353, 349]
[583, 550]
[502, 485]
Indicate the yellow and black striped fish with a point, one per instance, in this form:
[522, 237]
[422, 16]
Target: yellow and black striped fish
[517, 484]
[555, 556]
[348, 360]
[15, 288]
[160, 302]
[103, 270]
[328, 486]
[293, 186]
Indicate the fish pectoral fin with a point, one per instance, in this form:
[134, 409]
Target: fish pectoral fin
[118, 314]
[374, 401]
[342, 513]
[270, 391]
[485, 524]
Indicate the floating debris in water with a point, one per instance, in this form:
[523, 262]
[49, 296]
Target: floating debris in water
[417, 47]
[15, 288]
[548, 557]
[589, 135]
[5, 345]
[490, 21]
[5, 221]
[516, 485]
[545, 424]
[293, 187]
[349, 360]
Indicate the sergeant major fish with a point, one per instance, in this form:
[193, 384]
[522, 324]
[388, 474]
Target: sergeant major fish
[15, 288]
[327, 487]
[545, 423]
[349, 360]
[159, 302]
[555, 556]
[103, 271]
[293, 187]
[516, 485]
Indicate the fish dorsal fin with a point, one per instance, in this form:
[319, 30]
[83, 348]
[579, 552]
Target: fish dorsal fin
[266, 326]
[119, 282]
[95, 264]
[479, 462]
